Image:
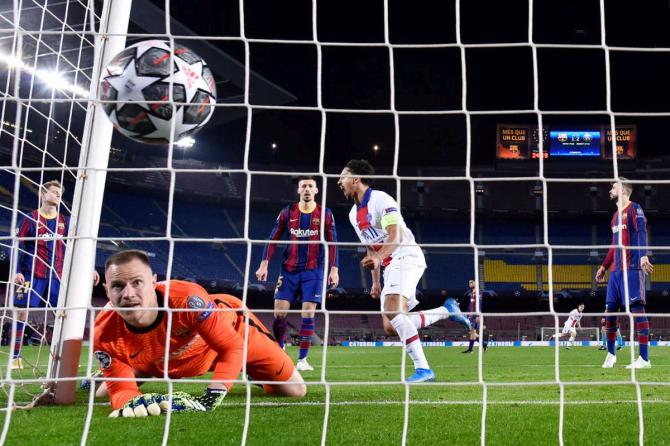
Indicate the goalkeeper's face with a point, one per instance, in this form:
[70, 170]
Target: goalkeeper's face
[130, 289]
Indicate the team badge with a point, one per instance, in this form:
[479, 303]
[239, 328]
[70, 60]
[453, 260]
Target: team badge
[104, 358]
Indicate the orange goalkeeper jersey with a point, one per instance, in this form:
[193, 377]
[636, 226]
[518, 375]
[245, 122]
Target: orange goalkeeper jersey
[200, 339]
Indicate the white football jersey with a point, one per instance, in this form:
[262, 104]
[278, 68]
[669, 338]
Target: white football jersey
[575, 316]
[367, 217]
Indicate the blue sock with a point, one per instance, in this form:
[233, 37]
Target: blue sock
[642, 324]
[18, 343]
[306, 332]
[619, 339]
[471, 344]
[279, 326]
[611, 327]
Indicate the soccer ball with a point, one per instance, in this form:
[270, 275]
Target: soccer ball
[142, 72]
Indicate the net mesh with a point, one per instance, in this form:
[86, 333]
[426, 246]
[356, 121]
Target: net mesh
[46, 54]
[41, 136]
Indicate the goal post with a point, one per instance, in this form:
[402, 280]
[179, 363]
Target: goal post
[77, 280]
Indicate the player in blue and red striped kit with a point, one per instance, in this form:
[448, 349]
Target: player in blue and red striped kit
[629, 228]
[39, 263]
[471, 294]
[303, 265]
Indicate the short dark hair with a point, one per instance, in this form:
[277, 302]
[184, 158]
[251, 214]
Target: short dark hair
[306, 177]
[123, 257]
[363, 169]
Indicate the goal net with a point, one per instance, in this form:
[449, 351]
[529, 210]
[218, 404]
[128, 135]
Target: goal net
[499, 153]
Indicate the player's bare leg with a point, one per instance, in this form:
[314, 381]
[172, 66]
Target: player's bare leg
[279, 324]
[295, 387]
[306, 333]
[395, 308]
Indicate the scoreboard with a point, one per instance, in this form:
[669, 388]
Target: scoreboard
[520, 142]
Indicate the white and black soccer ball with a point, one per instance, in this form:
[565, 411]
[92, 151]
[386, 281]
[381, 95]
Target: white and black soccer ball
[142, 72]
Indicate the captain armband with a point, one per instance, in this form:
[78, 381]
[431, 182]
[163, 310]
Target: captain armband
[392, 218]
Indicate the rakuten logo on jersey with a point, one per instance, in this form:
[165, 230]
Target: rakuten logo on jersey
[303, 232]
[618, 228]
[49, 236]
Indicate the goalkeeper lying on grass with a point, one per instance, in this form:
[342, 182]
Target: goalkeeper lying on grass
[130, 341]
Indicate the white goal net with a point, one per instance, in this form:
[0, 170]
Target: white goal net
[501, 173]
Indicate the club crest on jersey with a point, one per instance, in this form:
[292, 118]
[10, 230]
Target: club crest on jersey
[104, 358]
[316, 221]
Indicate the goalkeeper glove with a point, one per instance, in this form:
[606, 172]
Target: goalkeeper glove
[210, 400]
[148, 404]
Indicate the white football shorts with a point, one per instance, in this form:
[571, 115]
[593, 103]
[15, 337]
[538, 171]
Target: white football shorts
[402, 276]
[568, 328]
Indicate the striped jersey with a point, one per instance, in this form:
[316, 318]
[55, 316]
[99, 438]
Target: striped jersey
[632, 224]
[37, 257]
[303, 226]
[472, 307]
[372, 215]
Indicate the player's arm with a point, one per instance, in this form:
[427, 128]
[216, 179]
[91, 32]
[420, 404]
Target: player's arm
[376, 288]
[216, 329]
[374, 258]
[609, 258]
[277, 232]
[24, 230]
[333, 253]
[640, 226]
[120, 392]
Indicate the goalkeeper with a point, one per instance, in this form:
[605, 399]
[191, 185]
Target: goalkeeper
[131, 332]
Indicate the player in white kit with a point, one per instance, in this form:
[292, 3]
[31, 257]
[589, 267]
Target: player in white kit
[390, 245]
[571, 324]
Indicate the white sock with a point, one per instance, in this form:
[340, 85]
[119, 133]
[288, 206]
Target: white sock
[410, 336]
[423, 319]
[572, 341]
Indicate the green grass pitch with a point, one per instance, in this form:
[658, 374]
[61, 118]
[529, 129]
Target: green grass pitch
[372, 414]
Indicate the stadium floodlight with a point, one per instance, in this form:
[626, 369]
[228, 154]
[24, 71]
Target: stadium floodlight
[186, 142]
[52, 78]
